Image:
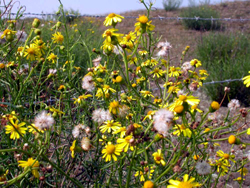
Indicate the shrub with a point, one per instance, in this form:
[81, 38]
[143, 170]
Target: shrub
[170, 5]
[226, 56]
[201, 12]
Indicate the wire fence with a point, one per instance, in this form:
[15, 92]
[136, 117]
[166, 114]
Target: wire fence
[134, 17]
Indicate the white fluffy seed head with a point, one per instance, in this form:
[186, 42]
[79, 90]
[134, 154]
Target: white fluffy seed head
[100, 115]
[186, 66]
[88, 83]
[233, 104]
[163, 121]
[43, 120]
[76, 131]
[85, 144]
[203, 168]
[97, 61]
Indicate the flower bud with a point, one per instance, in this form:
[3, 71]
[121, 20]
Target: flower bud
[38, 31]
[214, 106]
[36, 23]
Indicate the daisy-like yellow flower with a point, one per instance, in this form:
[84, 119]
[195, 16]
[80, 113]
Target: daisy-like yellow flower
[121, 130]
[222, 166]
[182, 129]
[73, 148]
[81, 98]
[246, 80]
[114, 107]
[129, 39]
[243, 171]
[146, 94]
[52, 57]
[133, 60]
[15, 129]
[110, 125]
[225, 157]
[33, 164]
[157, 72]
[111, 36]
[31, 52]
[58, 37]
[239, 179]
[195, 108]
[186, 183]
[174, 71]
[107, 46]
[151, 63]
[40, 46]
[125, 143]
[191, 100]
[146, 172]
[144, 52]
[20, 50]
[7, 32]
[61, 87]
[149, 115]
[195, 63]
[54, 110]
[158, 157]
[112, 19]
[144, 24]
[111, 151]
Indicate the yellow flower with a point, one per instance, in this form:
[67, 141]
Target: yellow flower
[129, 39]
[111, 36]
[148, 184]
[114, 107]
[125, 143]
[239, 179]
[146, 172]
[183, 184]
[40, 46]
[33, 129]
[58, 38]
[15, 129]
[31, 52]
[54, 110]
[243, 171]
[231, 139]
[196, 157]
[7, 32]
[246, 80]
[52, 57]
[215, 105]
[110, 125]
[121, 130]
[191, 100]
[182, 129]
[111, 151]
[142, 19]
[61, 87]
[80, 99]
[73, 148]
[112, 19]
[149, 115]
[144, 52]
[174, 71]
[225, 157]
[222, 166]
[34, 164]
[157, 72]
[195, 62]
[158, 157]
[146, 94]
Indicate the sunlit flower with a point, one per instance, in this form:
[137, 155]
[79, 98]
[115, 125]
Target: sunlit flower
[148, 184]
[111, 36]
[186, 183]
[57, 37]
[30, 52]
[146, 94]
[158, 157]
[40, 46]
[222, 166]
[110, 125]
[15, 129]
[81, 98]
[33, 129]
[125, 143]
[246, 80]
[72, 149]
[174, 71]
[225, 157]
[30, 163]
[112, 19]
[182, 129]
[114, 107]
[52, 57]
[129, 39]
[121, 130]
[147, 172]
[195, 62]
[157, 72]
[111, 151]
[191, 100]
[243, 171]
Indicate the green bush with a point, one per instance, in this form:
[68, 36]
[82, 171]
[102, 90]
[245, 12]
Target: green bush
[226, 56]
[201, 12]
[170, 5]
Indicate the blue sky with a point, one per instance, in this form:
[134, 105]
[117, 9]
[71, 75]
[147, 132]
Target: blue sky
[91, 6]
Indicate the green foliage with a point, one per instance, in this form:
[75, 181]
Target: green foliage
[226, 56]
[201, 12]
[170, 5]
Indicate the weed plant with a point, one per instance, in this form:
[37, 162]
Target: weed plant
[107, 127]
[226, 56]
[170, 5]
[201, 12]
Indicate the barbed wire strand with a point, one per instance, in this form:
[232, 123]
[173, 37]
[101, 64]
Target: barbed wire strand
[134, 17]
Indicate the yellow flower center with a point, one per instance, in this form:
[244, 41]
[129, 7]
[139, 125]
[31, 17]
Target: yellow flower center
[114, 104]
[111, 15]
[172, 69]
[128, 37]
[109, 124]
[182, 97]
[147, 92]
[148, 184]
[179, 109]
[108, 33]
[143, 19]
[231, 139]
[215, 105]
[60, 38]
[182, 127]
[185, 185]
[31, 51]
[110, 149]
[226, 156]
[158, 158]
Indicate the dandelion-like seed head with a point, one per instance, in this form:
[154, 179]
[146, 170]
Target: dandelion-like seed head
[44, 121]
